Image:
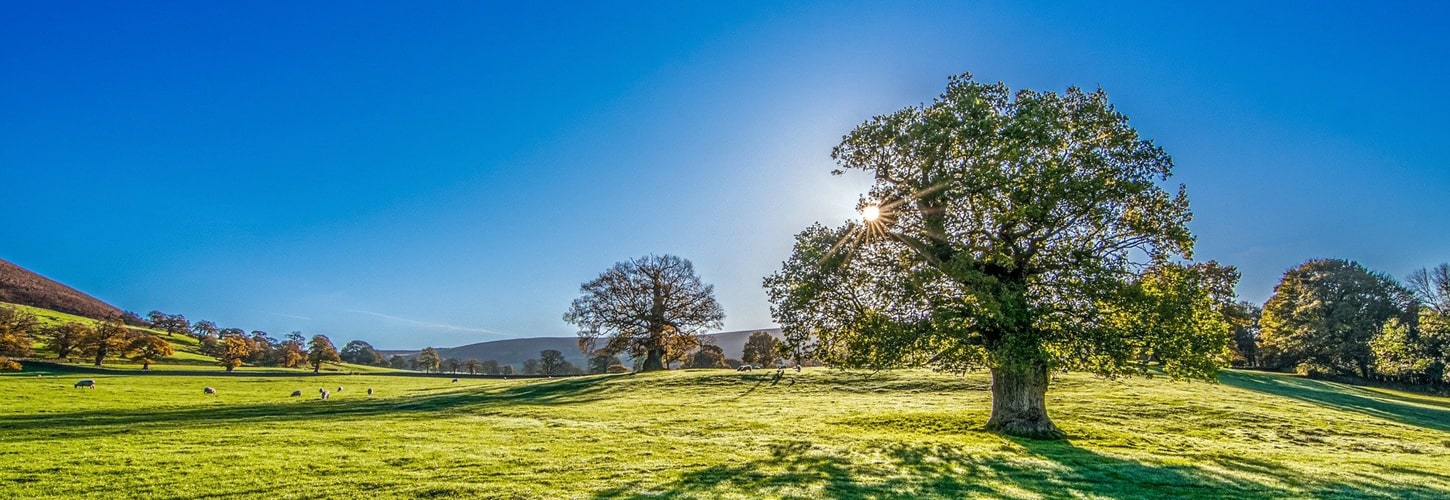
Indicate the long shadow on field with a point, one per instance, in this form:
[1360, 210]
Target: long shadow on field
[1047, 469]
[1343, 397]
[111, 421]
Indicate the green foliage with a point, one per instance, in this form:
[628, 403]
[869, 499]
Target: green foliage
[1324, 313]
[105, 339]
[760, 349]
[533, 366]
[602, 362]
[320, 350]
[709, 356]
[362, 353]
[817, 434]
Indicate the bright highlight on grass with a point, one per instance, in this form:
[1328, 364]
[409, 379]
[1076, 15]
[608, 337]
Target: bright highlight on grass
[871, 213]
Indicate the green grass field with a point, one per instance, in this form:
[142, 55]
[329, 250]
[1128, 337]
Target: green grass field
[711, 434]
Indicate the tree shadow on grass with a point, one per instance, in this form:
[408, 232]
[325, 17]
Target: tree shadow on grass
[1343, 397]
[103, 422]
[1048, 469]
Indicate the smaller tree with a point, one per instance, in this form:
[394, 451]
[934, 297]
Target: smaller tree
[172, 324]
[232, 350]
[506, 370]
[452, 365]
[428, 359]
[491, 367]
[107, 338]
[532, 367]
[709, 356]
[65, 339]
[398, 362]
[146, 349]
[601, 361]
[760, 349]
[473, 366]
[552, 362]
[16, 330]
[361, 353]
[320, 350]
[204, 329]
[291, 352]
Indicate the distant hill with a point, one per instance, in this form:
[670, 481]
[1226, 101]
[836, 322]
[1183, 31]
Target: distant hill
[21, 286]
[516, 351]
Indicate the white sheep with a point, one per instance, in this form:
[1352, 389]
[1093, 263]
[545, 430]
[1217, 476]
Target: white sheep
[208, 390]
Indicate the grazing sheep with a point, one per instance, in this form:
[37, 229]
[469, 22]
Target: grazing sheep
[339, 388]
[296, 393]
[325, 394]
[208, 390]
[87, 383]
[455, 381]
[745, 368]
[370, 391]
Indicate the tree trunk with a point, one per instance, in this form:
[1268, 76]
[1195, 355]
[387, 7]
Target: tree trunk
[1019, 407]
[654, 360]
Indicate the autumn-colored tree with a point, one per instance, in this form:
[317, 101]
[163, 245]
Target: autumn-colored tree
[291, 353]
[105, 339]
[233, 350]
[17, 329]
[320, 350]
[146, 349]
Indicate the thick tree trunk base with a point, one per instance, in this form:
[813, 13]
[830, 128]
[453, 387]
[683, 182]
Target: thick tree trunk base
[1019, 403]
[653, 361]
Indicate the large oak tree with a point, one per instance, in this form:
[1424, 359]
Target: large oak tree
[654, 306]
[1021, 232]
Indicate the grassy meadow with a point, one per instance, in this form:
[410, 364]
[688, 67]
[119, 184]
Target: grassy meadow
[710, 434]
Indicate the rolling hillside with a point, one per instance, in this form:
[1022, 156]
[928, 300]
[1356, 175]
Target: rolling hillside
[516, 351]
[21, 286]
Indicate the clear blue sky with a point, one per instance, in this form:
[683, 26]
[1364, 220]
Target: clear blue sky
[447, 173]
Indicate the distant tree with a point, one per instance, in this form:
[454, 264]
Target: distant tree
[107, 338]
[601, 361]
[760, 349]
[506, 370]
[66, 338]
[203, 329]
[491, 367]
[473, 366]
[552, 362]
[320, 350]
[232, 350]
[361, 353]
[1007, 230]
[429, 360]
[709, 356]
[532, 367]
[642, 306]
[1324, 312]
[1431, 288]
[17, 329]
[264, 349]
[1243, 321]
[291, 352]
[453, 365]
[172, 324]
[146, 349]
[398, 362]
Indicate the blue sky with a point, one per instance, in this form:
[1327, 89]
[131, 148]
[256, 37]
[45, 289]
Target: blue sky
[448, 173]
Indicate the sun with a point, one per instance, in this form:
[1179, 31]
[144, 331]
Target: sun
[871, 213]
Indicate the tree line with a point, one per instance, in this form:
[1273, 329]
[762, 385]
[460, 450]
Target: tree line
[1335, 317]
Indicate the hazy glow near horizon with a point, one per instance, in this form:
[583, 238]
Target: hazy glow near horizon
[438, 174]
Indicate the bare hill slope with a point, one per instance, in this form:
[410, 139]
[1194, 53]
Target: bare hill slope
[516, 351]
[21, 286]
